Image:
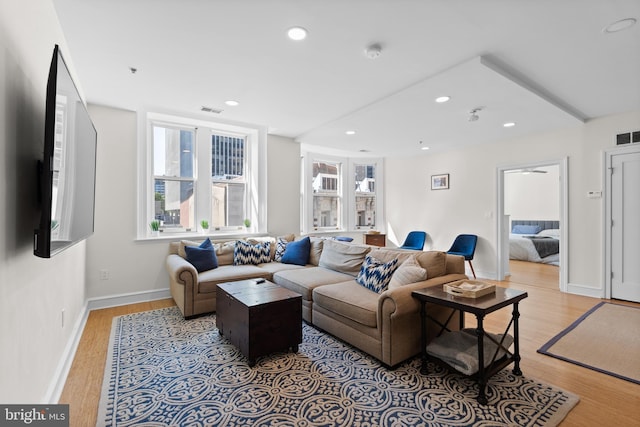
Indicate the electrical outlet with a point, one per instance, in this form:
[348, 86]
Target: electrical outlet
[104, 274]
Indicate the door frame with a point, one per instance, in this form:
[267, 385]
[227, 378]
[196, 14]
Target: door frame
[563, 169]
[606, 224]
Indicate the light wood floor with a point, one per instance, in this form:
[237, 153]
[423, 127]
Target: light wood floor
[604, 400]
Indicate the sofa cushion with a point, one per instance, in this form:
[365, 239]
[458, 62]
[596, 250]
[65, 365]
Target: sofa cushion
[343, 257]
[409, 271]
[434, 261]
[208, 280]
[375, 274]
[246, 253]
[202, 257]
[297, 252]
[350, 300]
[304, 280]
[316, 250]
[224, 252]
[274, 267]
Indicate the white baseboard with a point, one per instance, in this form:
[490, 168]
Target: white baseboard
[64, 365]
[587, 291]
[56, 386]
[124, 299]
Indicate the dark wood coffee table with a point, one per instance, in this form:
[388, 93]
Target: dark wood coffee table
[259, 317]
[480, 307]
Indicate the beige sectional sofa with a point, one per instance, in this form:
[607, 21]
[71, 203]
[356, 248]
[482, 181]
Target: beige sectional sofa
[385, 325]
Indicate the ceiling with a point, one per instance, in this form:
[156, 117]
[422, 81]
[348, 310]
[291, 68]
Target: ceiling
[544, 65]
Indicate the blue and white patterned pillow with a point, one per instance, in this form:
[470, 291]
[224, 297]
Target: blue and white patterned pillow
[376, 275]
[281, 246]
[246, 253]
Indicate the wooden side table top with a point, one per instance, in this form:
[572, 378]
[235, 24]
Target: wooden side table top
[483, 305]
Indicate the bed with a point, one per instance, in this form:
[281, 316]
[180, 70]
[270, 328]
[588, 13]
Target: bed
[535, 241]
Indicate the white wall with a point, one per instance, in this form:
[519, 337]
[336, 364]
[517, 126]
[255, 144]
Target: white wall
[283, 186]
[533, 196]
[132, 266]
[469, 205]
[33, 291]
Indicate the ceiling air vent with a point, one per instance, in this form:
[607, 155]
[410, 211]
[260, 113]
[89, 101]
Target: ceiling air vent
[211, 110]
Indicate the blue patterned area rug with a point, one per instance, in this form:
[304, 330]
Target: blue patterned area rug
[163, 370]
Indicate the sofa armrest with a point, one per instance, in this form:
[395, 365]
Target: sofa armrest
[399, 319]
[181, 271]
[399, 302]
[183, 279]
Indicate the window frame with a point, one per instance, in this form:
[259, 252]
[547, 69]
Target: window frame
[255, 173]
[346, 190]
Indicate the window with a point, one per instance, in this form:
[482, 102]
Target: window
[326, 195]
[340, 193]
[228, 188]
[365, 195]
[203, 171]
[173, 177]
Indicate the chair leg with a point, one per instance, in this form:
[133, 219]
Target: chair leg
[471, 265]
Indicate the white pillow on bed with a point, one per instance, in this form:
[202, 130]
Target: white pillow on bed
[550, 232]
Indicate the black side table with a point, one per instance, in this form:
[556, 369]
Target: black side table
[480, 307]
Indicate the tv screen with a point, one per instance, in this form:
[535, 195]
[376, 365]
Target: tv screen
[67, 171]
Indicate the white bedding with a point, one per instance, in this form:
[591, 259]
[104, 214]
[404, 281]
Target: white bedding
[521, 248]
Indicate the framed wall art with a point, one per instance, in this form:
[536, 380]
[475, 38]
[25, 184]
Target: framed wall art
[440, 182]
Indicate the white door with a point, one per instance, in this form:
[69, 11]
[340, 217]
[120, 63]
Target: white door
[625, 226]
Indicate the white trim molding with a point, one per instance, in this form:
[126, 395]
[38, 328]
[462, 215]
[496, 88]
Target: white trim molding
[502, 251]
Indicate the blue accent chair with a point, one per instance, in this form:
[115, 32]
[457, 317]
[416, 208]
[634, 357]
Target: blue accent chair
[465, 245]
[415, 240]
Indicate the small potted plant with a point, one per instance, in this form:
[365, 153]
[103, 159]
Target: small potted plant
[155, 227]
[247, 223]
[205, 225]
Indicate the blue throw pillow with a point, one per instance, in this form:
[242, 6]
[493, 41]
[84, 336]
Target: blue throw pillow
[202, 257]
[297, 252]
[526, 229]
[375, 275]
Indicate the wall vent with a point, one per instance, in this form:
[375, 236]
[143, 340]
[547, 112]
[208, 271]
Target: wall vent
[628, 137]
[211, 110]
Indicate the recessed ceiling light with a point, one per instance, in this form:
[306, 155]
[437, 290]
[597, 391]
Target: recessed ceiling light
[232, 103]
[424, 148]
[509, 124]
[442, 99]
[620, 25]
[350, 132]
[297, 33]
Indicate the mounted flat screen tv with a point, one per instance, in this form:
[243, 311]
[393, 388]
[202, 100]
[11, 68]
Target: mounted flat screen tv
[66, 174]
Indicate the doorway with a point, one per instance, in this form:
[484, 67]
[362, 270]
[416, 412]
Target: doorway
[503, 221]
[622, 224]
